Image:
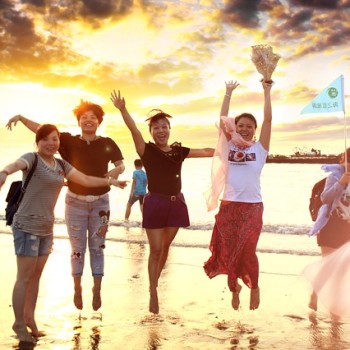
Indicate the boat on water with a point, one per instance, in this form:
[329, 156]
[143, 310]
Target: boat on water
[301, 156]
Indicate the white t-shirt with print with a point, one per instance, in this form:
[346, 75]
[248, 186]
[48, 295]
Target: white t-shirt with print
[243, 175]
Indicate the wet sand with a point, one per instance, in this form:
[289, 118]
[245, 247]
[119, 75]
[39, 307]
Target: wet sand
[195, 312]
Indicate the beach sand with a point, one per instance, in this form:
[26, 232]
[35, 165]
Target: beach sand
[195, 312]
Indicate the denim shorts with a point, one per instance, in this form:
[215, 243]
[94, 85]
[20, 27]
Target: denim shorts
[27, 244]
[161, 210]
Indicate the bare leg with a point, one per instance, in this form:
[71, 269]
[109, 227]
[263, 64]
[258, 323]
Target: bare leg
[32, 296]
[25, 268]
[168, 237]
[96, 293]
[78, 299]
[127, 211]
[235, 297]
[159, 241]
[254, 298]
[313, 301]
[313, 297]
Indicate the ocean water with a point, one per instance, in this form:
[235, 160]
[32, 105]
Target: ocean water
[286, 191]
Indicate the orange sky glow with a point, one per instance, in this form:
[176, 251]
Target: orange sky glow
[173, 55]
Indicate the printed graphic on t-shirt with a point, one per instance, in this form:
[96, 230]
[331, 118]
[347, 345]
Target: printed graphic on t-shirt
[240, 157]
[343, 209]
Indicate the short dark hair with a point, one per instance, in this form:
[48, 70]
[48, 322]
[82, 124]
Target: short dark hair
[246, 115]
[45, 130]
[155, 115]
[89, 106]
[138, 163]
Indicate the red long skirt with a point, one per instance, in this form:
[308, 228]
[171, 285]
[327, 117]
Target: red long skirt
[233, 243]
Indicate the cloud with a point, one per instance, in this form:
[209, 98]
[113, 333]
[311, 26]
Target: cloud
[323, 4]
[242, 12]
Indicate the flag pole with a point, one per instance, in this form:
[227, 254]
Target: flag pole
[345, 152]
[345, 131]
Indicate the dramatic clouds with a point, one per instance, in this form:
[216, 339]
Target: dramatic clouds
[177, 54]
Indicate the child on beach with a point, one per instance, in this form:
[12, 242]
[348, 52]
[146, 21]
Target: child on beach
[87, 209]
[237, 165]
[332, 228]
[164, 208]
[138, 188]
[33, 222]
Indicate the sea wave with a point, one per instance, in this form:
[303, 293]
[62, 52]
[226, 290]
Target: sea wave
[275, 239]
[208, 226]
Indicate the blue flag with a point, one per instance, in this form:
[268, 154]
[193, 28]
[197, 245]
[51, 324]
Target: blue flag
[331, 99]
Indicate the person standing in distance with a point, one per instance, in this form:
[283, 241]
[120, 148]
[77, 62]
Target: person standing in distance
[138, 188]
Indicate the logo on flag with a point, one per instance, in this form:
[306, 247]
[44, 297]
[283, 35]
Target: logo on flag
[331, 99]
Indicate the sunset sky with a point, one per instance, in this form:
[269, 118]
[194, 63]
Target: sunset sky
[173, 55]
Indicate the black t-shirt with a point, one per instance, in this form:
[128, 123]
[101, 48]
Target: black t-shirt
[164, 168]
[91, 158]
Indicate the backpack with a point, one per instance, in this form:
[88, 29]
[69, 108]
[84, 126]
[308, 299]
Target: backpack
[315, 199]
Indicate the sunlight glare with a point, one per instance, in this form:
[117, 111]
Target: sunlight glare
[41, 103]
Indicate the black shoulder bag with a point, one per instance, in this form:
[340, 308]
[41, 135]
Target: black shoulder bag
[16, 193]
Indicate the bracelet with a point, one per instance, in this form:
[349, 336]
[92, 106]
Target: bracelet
[5, 172]
[109, 181]
[227, 95]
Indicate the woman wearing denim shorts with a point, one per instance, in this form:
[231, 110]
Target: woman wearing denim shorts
[34, 220]
[87, 209]
[164, 208]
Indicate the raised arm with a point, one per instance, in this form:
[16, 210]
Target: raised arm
[265, 134]
[225, 106]
[30, 124]
[119, 102]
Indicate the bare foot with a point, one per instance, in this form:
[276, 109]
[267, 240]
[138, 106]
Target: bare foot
[96, 299]
[235, 297]
[254, 298]
[22, 333]
[78, 299]
[335, 318]
[153, 303]
[38, 334]
[31, 324]
[313, 301]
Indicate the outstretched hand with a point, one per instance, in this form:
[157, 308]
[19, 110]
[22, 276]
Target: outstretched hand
[231, 85]
[117, 99]
[14, 120]
[120, 184]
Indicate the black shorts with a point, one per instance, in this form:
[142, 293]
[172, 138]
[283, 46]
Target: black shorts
[161, 210]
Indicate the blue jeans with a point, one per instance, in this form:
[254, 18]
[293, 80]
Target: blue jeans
[84, 220]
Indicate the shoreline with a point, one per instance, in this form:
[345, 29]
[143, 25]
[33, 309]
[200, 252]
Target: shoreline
[302, 160]
[195, 312]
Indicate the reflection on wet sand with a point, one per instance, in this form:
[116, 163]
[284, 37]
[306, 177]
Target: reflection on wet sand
[326, 335]
[94, 336]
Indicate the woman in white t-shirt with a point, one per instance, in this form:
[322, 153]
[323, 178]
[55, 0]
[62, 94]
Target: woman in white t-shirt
[236, 170]
[34, 220]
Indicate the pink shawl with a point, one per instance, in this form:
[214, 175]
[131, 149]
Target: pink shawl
[219, 162]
